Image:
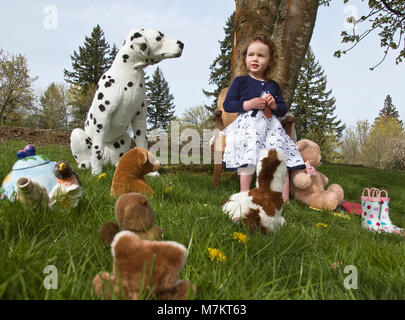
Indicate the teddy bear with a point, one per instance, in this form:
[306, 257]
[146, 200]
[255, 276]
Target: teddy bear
[133, 212]
[261, 208]
[143, 267]
[130, 171]
[308, 185]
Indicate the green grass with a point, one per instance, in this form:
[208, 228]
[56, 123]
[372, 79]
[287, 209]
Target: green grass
[294, 263]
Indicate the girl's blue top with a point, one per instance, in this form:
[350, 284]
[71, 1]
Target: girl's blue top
[245, 88]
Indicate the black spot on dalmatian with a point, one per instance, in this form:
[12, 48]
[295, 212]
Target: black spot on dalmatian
[87, 123]
[136, 35]
[75, 156]
[143, 104]
[91, 116]
[100, 126]
[125, 57]
[112, 80]
[107, 102]
[99, 157]
[100, 96]
[88, 147]
[87, 141]
[141, 85]
[98, 152]
[83, 165]
[101, 107]
[158, 38]
[132, 46]
[121, 154]
[96, 147]
[138, 113]
[138, 132]
[98, 131]
[108, 84]
[103, 77]
[122, 142]
[130, 84]
[109, 77]
[125, 88]
[143, 46]
[95, 121]
[116, 145]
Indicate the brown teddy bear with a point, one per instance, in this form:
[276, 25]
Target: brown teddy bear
[133, 212]
[144, 267]
[130, 171]
[261, 208]
[308, 184]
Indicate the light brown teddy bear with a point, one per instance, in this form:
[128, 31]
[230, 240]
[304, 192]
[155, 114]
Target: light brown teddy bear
[130, 171]
[308, 185]
[134, 213]
[144, 267]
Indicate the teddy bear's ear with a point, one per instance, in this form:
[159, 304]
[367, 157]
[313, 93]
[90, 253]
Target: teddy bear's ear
[302, 144]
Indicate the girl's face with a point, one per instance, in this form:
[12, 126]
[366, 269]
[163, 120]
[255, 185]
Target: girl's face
[257, 59]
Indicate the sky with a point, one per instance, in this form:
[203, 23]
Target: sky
[47, 33]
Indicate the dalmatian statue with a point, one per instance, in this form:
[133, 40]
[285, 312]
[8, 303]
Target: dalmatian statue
[120, 101]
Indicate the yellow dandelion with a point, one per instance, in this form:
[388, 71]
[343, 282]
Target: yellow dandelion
[101, 176]
[242, 238]
[321, 225]
[168, 189]
[214, 253]
[340, 214]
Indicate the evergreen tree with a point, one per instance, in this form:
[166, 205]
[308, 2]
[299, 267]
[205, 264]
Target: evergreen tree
[313, 108]
[220, 75]
[160, 101]
[389, 110]
[90, 62]
[53, 114]
[93, 59]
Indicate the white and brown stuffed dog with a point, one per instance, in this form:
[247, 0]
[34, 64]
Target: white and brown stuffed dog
[261, 208]
[130, 171]
[120, 101]
[142, 266]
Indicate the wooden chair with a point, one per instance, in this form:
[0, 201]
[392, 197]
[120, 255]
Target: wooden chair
[222, 120]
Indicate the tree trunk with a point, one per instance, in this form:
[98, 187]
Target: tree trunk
[289, 23]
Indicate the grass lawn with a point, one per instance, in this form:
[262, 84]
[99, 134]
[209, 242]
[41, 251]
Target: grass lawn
[300, 261]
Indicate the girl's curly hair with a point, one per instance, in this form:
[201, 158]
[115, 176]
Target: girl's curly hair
[273, 55]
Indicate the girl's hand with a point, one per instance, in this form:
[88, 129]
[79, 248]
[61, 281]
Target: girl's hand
[255, 103]
[270, 101]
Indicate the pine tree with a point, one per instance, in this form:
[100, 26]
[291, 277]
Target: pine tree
[160, 101]
[53, 114]
[93, 59]
[313, 108]
[220, 75]
[389, 110]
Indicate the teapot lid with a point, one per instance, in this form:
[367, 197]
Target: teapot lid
[29, 162]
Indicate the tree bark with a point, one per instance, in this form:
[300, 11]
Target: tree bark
[289, 23]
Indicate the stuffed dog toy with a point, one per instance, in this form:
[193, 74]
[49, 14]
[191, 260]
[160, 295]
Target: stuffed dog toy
[120, 101]
[261, 208]
[129, 174]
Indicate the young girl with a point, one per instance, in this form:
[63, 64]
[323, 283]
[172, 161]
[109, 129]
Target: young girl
[259, 102]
